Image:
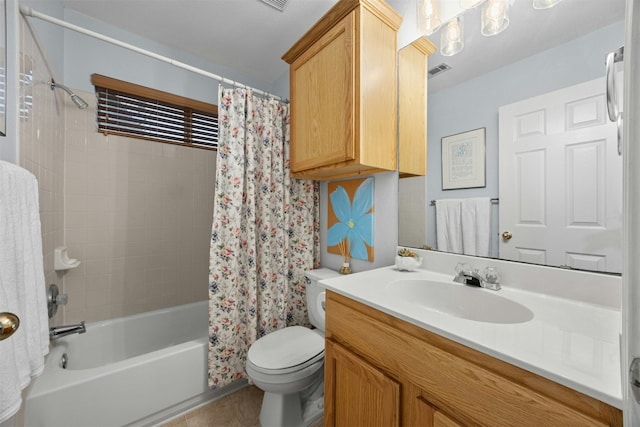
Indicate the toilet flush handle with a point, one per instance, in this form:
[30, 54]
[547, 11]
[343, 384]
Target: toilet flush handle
[321, 307]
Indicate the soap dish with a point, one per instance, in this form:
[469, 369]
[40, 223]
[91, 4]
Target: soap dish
[61, 260]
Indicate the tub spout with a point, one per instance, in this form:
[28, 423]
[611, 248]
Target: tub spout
[62, 331]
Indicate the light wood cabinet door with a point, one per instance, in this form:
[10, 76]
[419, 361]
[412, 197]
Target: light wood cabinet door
[343, 80]
[356, 393]
[412, 107]
[417, 411]
[322, 104]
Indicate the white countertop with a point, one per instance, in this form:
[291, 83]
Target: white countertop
[573, 343]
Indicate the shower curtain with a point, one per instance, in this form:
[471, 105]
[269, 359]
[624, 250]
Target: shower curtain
[265, 232]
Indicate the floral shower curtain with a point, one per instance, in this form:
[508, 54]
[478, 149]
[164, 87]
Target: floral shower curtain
[265, 232]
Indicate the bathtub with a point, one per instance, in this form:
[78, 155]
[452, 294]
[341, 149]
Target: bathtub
[136, 370]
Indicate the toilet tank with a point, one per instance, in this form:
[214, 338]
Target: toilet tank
[315, 294]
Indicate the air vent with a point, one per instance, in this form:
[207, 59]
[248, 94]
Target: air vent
[278, 4]
[438, 70]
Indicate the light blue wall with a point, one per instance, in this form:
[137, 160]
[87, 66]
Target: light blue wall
[85, 55]
[474, 104]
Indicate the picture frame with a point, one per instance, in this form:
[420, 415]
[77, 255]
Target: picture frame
[463, 160]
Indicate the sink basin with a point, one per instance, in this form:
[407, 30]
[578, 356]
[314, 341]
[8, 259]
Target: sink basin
[461, 301]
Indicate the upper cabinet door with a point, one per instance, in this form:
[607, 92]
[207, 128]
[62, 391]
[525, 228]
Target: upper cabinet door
[322, 103]
[412, 107]
[344, 94]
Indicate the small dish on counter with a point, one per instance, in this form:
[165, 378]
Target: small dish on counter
[408, 263]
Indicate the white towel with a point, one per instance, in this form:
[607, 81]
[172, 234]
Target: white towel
[476, 224]
[22, 285]
[449, 225]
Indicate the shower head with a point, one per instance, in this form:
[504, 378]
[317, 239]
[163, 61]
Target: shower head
[80, 103]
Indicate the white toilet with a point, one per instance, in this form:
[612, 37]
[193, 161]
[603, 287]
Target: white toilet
[288, 365]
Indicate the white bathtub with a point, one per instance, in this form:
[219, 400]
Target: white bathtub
[136, 370]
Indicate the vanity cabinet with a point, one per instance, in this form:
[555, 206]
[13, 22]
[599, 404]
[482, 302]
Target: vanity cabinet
[343, 75]
[381, 370]
[412, 107]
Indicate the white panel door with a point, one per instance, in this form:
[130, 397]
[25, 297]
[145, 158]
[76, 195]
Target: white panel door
[561, 180]
[630, 284]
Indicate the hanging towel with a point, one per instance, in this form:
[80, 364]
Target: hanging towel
[22, 285]
[476, 225]
[449, 225]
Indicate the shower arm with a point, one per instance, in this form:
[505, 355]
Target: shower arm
[63, 87]
[77, 100]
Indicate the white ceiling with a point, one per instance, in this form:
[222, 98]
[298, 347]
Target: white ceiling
[246, 35]
[250, 36]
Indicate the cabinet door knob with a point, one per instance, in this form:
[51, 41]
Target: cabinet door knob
[9, 323]
[506, 235]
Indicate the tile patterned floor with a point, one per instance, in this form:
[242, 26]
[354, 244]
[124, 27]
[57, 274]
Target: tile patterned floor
[238, 409]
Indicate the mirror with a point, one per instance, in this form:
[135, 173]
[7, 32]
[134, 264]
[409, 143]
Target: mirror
[541, 51]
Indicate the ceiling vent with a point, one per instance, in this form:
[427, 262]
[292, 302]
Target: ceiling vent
[439, 69]
[278, 4]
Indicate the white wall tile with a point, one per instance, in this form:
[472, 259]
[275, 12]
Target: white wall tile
[137, 214]
[140, 222]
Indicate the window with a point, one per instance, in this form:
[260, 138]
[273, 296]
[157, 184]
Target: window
[140, 112]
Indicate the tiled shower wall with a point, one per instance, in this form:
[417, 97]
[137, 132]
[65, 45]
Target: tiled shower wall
[42, 146]
[138, 216]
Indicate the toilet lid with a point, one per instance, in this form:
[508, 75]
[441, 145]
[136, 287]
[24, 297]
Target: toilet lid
[286, 348]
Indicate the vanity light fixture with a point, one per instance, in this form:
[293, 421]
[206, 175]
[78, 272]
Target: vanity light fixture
[428, 16]
[494, 17]
[545, 4]
[451, 37]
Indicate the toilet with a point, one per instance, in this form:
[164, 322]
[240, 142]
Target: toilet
[288, 364]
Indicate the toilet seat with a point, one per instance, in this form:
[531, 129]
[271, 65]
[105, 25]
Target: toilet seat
[286, 350]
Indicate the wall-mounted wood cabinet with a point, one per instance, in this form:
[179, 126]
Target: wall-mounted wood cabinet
[343, 75]
[380, 370]
[412, 107]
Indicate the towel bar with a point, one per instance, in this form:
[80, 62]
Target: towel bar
[494, 201]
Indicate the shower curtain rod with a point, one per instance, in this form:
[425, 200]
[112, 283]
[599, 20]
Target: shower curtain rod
[27, 11]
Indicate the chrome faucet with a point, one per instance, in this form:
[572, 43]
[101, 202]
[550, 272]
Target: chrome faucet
[472, 277]
[56, 332]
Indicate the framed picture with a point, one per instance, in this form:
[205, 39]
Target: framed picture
[463, 160]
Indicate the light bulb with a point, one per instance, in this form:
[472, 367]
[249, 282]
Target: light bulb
[428, 9]
[495, 9]
[451, 38]
[428, 16]
[494, 17]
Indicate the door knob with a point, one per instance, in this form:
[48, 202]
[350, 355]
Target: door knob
[506, 235]
[9, 323]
